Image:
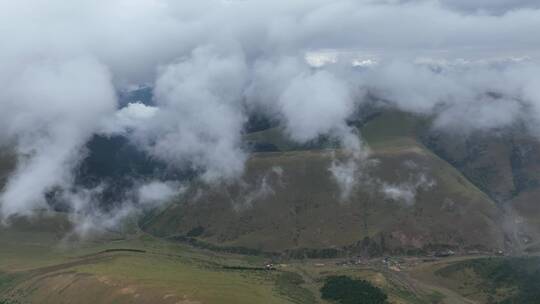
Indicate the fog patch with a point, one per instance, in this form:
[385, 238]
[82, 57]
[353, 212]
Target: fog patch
[129, 118]
[155, 193]
[199, 124]
[262, 189]
[90, 219]
[50, 109]
[406, 192]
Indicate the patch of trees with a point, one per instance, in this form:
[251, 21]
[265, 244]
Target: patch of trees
[345, 290]
[245, 268]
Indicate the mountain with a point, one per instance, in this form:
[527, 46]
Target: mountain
[421, 190]
[289, 204]
[505, 165]
[421, 195]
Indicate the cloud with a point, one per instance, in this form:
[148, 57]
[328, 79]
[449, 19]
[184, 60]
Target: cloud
[133, 37]
[461, 97]
[345, 175]
[309, 95]
[258, 191]
[89, 218]
[49, 111]
[155, 193]
[200, 120]
[312, 103]
[406, 192]
[401, 192]
[129, 118]
[491, 6]
[212, 63]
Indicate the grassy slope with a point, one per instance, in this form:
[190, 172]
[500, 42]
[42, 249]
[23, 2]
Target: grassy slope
[505, 164]
[44, 268]
[488, 279]
[305, 210]
[39, 267]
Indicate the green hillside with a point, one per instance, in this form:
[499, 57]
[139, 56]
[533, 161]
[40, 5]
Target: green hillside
[302, 215]
[212, 245]
[505, 164]
[40, 264]
[495, 280]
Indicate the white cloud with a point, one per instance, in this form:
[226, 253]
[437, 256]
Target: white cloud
[315, 104]
[156, 193]
[49, 109]
[131, 117]
[407, 191]
[200, 118]
[214, 61]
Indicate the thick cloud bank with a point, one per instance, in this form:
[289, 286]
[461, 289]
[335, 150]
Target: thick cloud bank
[212, 63]
[49, 111]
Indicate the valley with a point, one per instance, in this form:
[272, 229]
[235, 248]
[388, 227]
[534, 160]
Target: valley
[139, 268]
[213, 245]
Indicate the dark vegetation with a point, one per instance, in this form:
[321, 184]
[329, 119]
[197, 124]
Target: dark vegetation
[195, 232]
[520, 276]
[117, 165]
[241, 268]
[227, 249]
[289, 284]
[367, 247]
[313, 253]
[142, 94]
[263, 147]
[115, 160]
[123, 250]
[7, 280]
[345, 290]
[259, 122]
[299, 253]
[320, 143]
[502, 164]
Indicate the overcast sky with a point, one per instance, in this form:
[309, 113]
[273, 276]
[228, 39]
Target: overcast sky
[132, 37]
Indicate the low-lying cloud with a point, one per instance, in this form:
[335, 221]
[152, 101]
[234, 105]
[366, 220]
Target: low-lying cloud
[406, 192]
[212, 63]
[49, 111]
